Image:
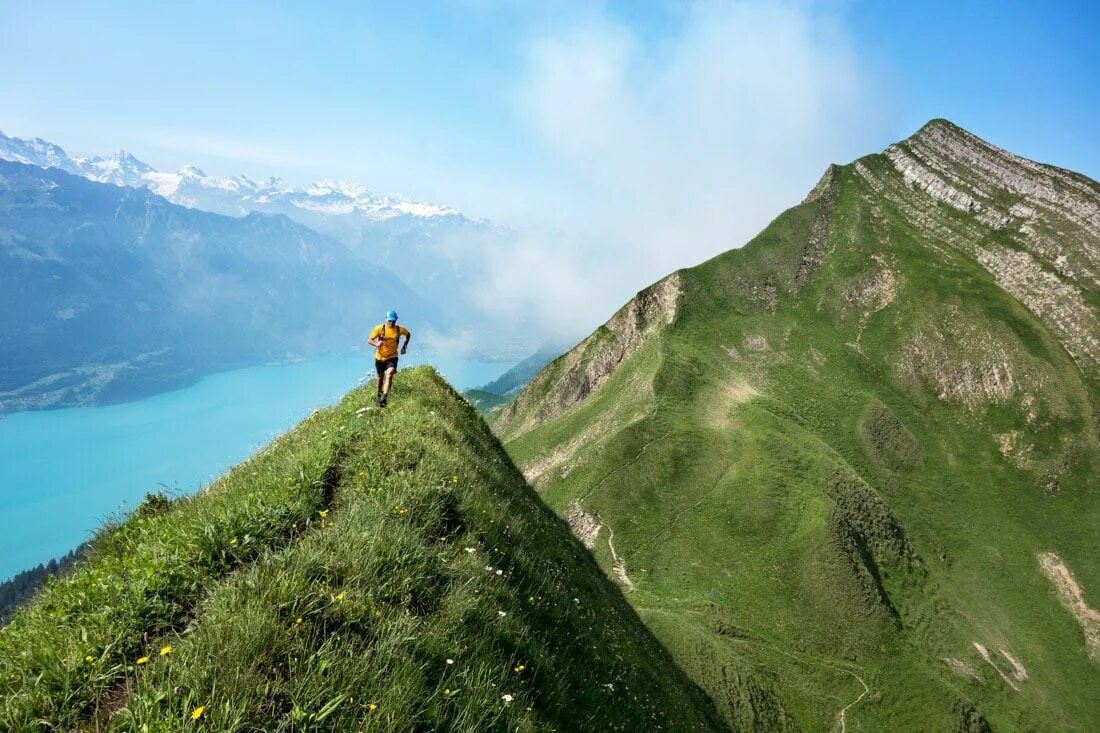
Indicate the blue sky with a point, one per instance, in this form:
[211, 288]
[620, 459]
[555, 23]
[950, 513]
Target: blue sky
[621, 127]
[381, 88]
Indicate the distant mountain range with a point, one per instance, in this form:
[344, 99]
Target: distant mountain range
[121, 280]
[434, 249]
[108, 292]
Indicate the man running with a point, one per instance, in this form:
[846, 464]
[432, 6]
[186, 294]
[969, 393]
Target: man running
[385, 338]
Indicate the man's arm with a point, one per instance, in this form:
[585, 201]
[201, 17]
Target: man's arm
[408, 338]
[375, 339]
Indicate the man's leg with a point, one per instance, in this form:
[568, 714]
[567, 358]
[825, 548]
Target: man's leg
[381, 376]
[387, 381]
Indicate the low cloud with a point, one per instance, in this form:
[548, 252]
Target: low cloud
[665, 153]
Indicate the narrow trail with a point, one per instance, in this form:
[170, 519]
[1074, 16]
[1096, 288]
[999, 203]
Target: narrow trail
[629, 463]
[617, 563]
[842, 715]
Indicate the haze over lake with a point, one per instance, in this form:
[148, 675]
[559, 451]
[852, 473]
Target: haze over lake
[63, 472]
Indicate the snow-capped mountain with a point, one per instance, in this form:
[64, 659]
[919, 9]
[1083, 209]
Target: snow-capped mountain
[435, 249]
[439, 253]
[233, 195]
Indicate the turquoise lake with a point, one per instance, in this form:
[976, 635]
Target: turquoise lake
[63, 472]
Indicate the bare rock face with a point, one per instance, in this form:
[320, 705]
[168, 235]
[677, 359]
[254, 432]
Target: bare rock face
[588, 365]
[973, 364]
[1035, 228]
[584, 526]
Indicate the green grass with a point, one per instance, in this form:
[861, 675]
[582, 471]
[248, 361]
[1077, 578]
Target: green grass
[372, 570]
[795, 518]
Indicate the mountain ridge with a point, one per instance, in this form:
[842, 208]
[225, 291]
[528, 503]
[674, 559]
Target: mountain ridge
[842, 451]
[368, 569]
[122, 169]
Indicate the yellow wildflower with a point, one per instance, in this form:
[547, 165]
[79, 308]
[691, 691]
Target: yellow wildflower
[197, 712]
[454, 479]
[298, 620]
[520, 667]
[166, 650]
[233, 541]
[89, 658]
[339, 596]
[142, 660]
[323, 513]
[372, 707]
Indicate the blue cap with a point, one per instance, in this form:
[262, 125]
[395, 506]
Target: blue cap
[391, 315]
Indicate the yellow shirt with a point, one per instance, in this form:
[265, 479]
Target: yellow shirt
[389, 335]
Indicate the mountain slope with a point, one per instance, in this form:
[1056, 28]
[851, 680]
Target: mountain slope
[829, 467]
[108, 293]
[369, 570]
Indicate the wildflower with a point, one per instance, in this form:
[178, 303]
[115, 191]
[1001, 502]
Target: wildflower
[519, 668]
[298, 621]
[233, 541]
[142, 660]
[166, 650]
[339, 596]
[454, 479]
[507, 698]
[372, 707]
[89, 658]
[294, 526]
[500, 572]
[323, 513]
[450, 661]
[470, 549]
[502, 614]
[197, 712]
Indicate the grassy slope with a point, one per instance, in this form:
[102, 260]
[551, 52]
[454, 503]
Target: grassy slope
[369, 571]
[733, 507]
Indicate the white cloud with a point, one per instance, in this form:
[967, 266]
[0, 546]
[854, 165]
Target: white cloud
[669, 152]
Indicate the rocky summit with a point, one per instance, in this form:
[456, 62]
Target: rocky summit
[847, 473]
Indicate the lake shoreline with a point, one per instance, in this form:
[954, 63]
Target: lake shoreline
[65, 471]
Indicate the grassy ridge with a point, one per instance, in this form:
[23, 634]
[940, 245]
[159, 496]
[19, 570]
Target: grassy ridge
[411, 580]
[142, 578]
[802, 504]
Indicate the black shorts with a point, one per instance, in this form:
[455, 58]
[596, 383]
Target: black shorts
[381, 365]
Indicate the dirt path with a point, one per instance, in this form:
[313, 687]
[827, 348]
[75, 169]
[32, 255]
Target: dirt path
[842, 714]
[617, 562]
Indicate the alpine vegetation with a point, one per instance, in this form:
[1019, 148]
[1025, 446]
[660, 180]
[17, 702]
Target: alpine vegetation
[369, 570]
[846, 473]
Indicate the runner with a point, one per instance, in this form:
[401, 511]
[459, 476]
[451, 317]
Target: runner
[385, 339]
